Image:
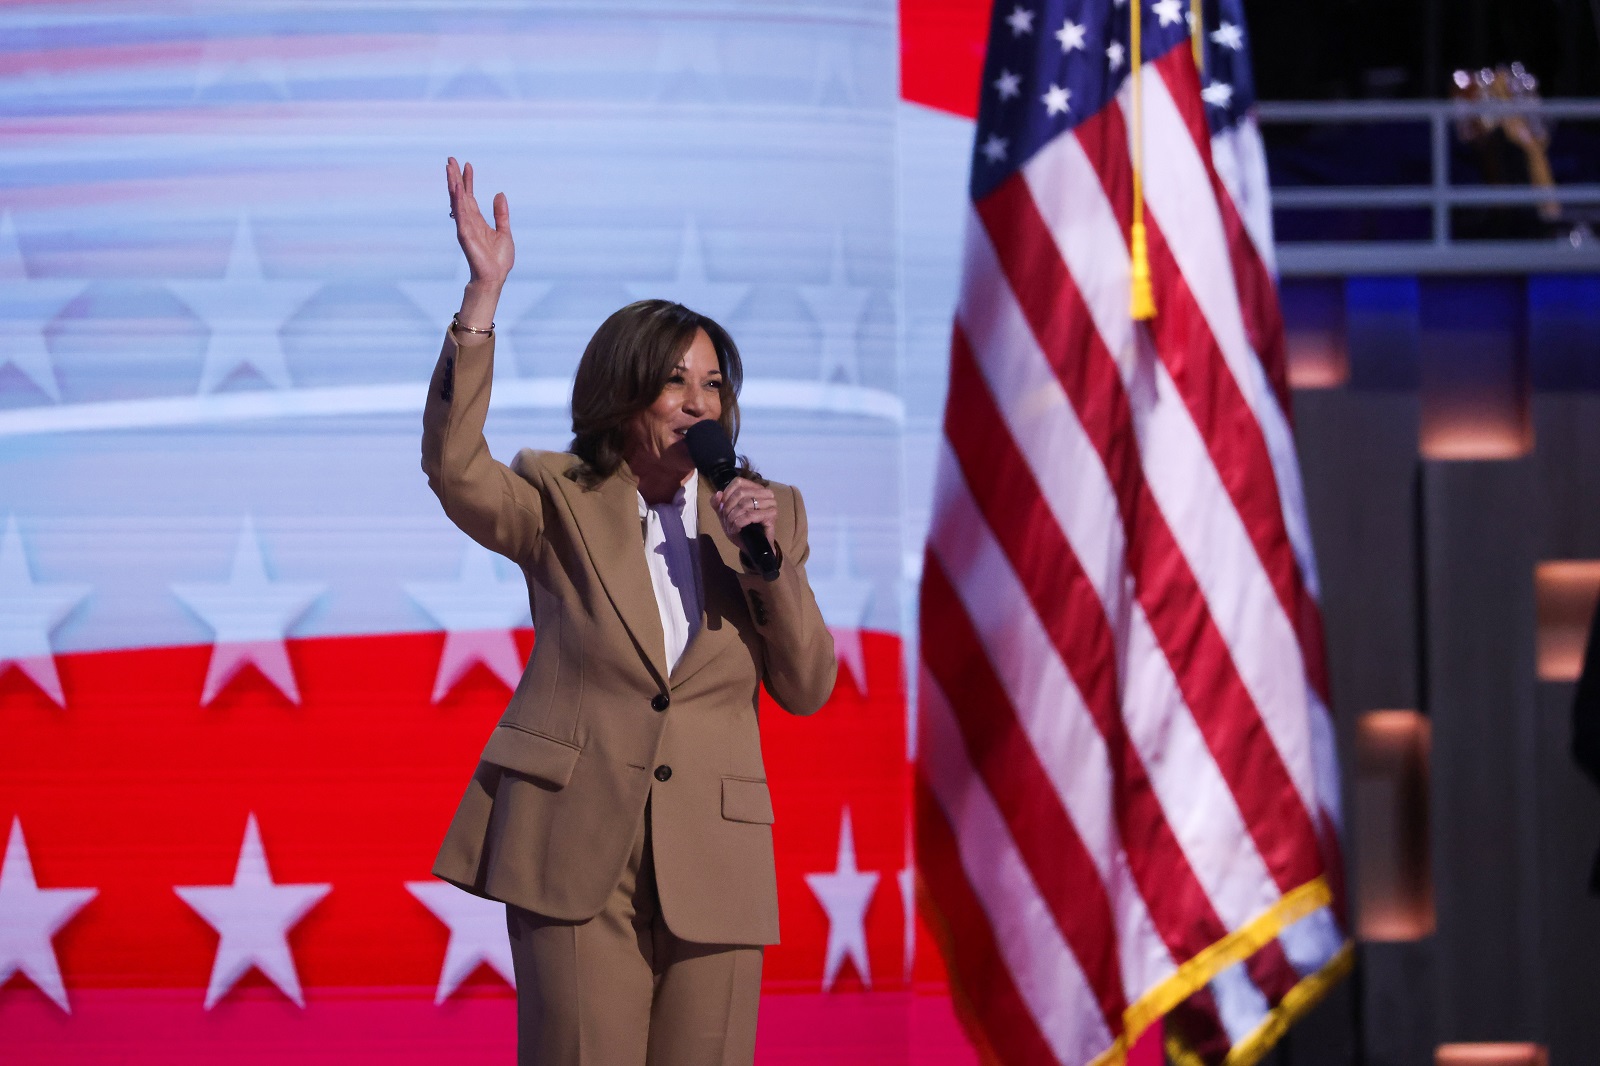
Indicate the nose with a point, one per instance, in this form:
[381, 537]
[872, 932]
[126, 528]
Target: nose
[694, 400]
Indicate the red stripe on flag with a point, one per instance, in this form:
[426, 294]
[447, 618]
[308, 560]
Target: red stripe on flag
[1005, 491]
[1045, 836]
[985, 993]
[1201, 661]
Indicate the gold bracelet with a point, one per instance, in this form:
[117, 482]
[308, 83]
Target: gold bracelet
[455, 323]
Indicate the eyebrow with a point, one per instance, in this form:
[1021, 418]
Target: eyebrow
[682, 369]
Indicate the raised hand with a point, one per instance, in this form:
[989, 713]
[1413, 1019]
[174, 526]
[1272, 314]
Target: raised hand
[489, 249]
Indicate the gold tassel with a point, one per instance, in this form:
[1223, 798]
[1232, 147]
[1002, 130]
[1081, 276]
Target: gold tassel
[1142, 301]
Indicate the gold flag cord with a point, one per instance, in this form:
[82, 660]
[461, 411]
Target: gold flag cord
[1142, 300]
[1197, 31]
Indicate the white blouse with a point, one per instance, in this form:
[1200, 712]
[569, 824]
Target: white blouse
[670, 532]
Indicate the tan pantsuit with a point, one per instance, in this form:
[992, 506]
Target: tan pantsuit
[553, 820]
[621, 988]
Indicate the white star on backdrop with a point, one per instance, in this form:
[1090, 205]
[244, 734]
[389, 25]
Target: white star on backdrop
[1021, 21]
[845, 894]
[30, 917]
[691, 287]
[1071, 36]
[477, 934]
[244, 312]
[1115, 53]
[478, 613]
[1168, 11]
[1057, 100]
[1228, 36]
[836, 66]
[1217, 94]
[225, 59]
[487, 55]
[843, 598]
[30, 304]
[250, 614]
[253, 917]
[439, 300]
[1008, 85]
[29, 612]
[837, 308]
[689, 64]
[994, 149]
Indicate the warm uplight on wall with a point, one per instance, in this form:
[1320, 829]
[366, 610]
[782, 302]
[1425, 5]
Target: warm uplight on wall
[1394, 885]
[1565, 592]
[1490, 1055]
[1317, 359]
[1474, 434]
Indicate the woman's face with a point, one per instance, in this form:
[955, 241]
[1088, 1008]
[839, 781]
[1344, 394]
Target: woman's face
[692, 393]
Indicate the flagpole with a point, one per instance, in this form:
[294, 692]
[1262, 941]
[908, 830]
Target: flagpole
[1142, 299]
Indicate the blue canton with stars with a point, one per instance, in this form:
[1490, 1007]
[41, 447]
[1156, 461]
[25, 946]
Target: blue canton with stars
[1055, 63]
[1226, 83]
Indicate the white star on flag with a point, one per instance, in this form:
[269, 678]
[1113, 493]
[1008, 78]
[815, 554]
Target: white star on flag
[30, 305]
[478, 612]
[439, 301]
[837, 308]
[1168, 11]
[485, 56]
[691, 287]
[1071, 36]
[29, 612]
[244, 312]
[1008, 85]
[1021, 21]
[250, 615]
[30, 917]
[1115, 53]
[994, 149]
[477, 934]
[1228, 36]
[1217, 94]
[1057, 100]
[845, 894]
[843, 598]
[253, 917]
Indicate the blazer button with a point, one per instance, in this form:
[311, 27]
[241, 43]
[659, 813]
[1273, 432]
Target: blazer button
[659, 703]
[663, 772]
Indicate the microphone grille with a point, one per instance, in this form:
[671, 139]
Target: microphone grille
[710, 447]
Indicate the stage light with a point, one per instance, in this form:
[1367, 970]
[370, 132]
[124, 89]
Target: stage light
[1394, 884]
[1565, 594]
[1507, 1054]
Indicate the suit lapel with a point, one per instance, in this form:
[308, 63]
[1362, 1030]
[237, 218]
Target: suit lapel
[719, 561]
[608, 521]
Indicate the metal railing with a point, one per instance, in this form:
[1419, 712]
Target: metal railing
[1576, 251]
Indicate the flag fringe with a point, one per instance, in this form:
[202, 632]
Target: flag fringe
[1197, 971]
[1295, 1005]
[1188, 979]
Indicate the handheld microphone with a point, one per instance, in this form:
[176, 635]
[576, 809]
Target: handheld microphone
[713, 456]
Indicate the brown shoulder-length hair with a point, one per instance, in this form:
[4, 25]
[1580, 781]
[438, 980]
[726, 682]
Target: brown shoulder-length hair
[626, 366]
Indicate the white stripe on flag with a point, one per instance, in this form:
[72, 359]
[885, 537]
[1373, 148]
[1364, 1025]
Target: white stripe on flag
[1046, 972]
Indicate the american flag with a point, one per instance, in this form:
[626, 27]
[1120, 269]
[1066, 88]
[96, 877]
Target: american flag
[1127, 789]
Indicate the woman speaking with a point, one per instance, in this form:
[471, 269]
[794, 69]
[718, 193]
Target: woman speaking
[620, 809]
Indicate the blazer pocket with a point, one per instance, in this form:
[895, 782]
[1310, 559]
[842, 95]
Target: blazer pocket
[745, 799]
[544, 759]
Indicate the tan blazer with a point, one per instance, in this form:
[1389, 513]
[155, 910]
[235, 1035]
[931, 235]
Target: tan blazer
[596, 722]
